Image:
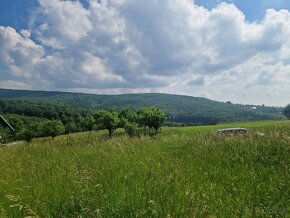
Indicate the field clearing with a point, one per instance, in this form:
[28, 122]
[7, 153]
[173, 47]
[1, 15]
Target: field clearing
[182, 172]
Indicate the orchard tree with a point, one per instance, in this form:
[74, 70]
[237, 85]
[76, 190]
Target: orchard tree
[142, 117]
[287, 111]
[39, 129]
[154, 118]
[109, 120]
[27, 134]
[17, 125]
[70, 126]
[128, 115]
[98, 117]
[54, 128]
[89, 123]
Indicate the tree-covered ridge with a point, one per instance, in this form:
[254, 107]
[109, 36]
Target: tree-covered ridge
[179, 109]
[43, 109]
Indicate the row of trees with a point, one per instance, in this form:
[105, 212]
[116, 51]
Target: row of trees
[130, 120]
[22, 131]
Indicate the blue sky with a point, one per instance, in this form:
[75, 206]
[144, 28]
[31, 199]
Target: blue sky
[254, 10]
[238, 48]
[16, 13]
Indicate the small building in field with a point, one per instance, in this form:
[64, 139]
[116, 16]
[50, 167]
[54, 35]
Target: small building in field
[4, 124]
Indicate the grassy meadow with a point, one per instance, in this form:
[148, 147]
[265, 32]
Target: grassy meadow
[181, 172]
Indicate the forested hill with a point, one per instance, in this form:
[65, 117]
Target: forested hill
[181, 109]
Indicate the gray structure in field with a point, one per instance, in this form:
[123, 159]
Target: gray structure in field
[4, 124]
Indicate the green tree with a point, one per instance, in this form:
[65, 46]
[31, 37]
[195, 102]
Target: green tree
[98, 116]
[142, 117]
[5, 135]
[39, 129]
[27, 134]
[89, 123]
[128, 115]
[154, 118]
[109, 121]
[70, 126]
[17, 125]
[16, 122]
[54, 128]
[79, 123]
[286, 111]
[131, 129]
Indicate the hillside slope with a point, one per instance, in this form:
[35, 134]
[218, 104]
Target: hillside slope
[182, 109]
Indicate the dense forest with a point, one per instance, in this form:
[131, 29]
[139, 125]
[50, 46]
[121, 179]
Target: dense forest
[179, 109]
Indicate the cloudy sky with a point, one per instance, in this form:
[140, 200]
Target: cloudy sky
[237, 50]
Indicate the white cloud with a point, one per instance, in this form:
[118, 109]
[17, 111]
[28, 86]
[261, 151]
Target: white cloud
[14, 85]
[25, 33]
[169, 46]
[64, 21]
[18, 54]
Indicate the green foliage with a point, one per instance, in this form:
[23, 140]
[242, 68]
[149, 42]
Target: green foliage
[286, 111]
[109, 120]
[28, 133]
[5, 135]
[183, 172]
[141, 116]
[152, 117]
[28, 128]
[25, 128]
[53, 128]
[131, 129]
[72, 117]
[17, 124]
[89, 123]
[129, 115]
[70, 125]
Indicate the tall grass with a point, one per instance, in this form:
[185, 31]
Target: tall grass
[182, 172]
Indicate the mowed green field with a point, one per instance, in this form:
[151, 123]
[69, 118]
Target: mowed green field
[182, 172]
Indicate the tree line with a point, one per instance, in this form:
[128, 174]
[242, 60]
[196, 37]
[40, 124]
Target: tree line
[131, 120]
[286, 111]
